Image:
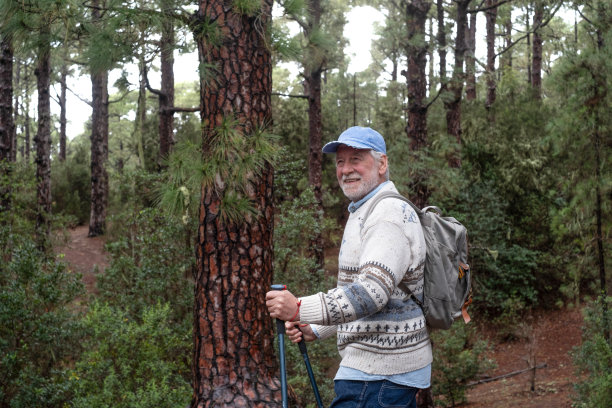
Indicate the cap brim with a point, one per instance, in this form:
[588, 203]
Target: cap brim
[332, 147]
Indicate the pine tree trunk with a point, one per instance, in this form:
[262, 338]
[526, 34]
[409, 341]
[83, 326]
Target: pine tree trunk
[470, 60]
[6, 99]
[441, 40]
[491, 17]
[62, 103]
[141, 110]
[312, 84]
[99, 146]
[536, 61]
[234, 363]
[416, 16]
[452, 102]
[6, 120]
[99, 153]
[16, 85]
[43, 143]
[166, 97]
[416, 51]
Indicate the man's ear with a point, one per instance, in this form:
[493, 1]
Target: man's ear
[382, 169]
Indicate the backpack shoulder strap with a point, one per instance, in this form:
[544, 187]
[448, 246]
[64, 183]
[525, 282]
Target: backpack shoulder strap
[387, 194]
[375, 201]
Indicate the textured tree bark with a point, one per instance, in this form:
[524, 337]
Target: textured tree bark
[312, 85]
[234, 363]
[43, 143]
[62, 103]
[536, 59]
[416, 50]
[166, 96]
[416, 16]
[6, 99]
[441, 39]
[99, 145]
[470, 60]
[6, 120]
[491, 17]
[99, 153]
[452, 102]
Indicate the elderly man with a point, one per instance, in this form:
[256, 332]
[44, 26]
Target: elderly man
[381, 332]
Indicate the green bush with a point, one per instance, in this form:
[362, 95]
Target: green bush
[458, 358]
[151, 261]
[131, 363]
[39, 329]
[71, 187]
[593, 359]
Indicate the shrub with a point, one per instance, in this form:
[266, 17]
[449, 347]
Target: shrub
[593, 359]
[151, 259]
[39, 329]
[457, 360]
[131, 363]
[71, 188]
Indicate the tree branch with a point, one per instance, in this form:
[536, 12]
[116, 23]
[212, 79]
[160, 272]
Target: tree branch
[486, 8]
[511, 374]
[543, 24]
[290, 96]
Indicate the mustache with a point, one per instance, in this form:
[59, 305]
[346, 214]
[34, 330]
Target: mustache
[350, 176]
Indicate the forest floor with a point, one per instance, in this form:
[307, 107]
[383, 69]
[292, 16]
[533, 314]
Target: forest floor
[549, 338]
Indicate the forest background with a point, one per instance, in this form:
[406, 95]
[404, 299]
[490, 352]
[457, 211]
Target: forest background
[514, 140]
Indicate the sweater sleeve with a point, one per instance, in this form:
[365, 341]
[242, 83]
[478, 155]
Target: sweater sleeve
[385, 257]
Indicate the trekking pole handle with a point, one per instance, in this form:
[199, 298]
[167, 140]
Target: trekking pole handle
[280, 328]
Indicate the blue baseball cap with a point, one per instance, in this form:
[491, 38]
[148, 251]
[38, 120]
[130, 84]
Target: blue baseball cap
[359, 138]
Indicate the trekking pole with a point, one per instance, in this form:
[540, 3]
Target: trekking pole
[315, 389]
[280, 328]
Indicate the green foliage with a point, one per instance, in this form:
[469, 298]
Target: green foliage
[228, 167]
[39, 330]
[71, 187]
[593, 358]
[151, 260]
[131, 363]
[458, 358]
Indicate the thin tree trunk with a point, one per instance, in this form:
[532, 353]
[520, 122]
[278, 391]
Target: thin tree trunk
[528, 30]
[62, 135]
[536, 62]
[6, 99]
[312, 83]
[491, 17]
[470, 60]
[99, 153]
[166, 96]
[416, 16]
[441, 40]
[452, 102]
[6, 121]
[43, 143]
[16, 85]
[141, 109]
[234, 363]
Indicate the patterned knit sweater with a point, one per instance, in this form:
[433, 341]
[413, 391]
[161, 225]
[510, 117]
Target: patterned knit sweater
[380, 330]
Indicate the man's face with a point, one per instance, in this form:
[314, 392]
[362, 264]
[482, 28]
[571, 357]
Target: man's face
[358, 172]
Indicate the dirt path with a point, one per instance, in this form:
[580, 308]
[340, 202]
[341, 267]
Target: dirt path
[554, 334]
[85, 255]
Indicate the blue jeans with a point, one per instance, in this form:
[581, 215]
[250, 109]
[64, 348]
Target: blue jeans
[373, 394]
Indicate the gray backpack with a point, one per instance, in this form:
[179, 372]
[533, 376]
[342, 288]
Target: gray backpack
[447, 277]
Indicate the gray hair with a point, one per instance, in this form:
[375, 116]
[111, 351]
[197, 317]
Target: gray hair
[378, 157]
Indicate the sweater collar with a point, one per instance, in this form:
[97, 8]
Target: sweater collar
[355, 206]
